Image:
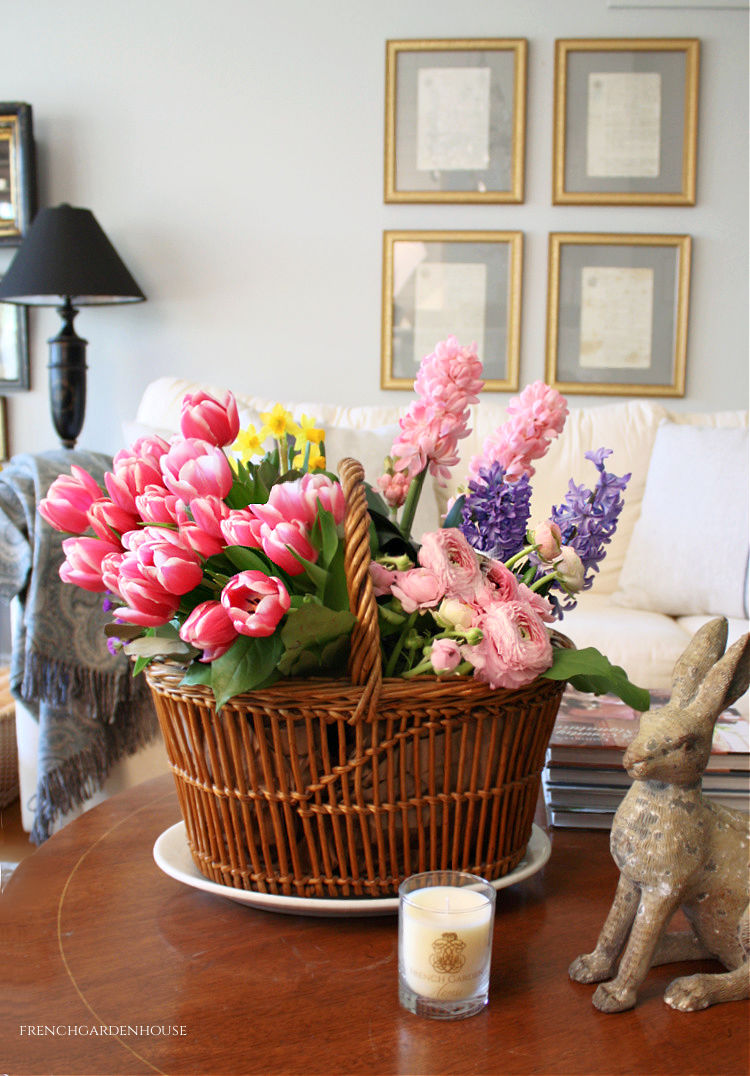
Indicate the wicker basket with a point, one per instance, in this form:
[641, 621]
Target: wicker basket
[342, 788]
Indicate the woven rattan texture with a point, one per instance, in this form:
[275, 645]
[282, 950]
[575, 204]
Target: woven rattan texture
[342, 788]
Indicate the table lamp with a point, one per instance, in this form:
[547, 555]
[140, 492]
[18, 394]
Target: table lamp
[66, 261]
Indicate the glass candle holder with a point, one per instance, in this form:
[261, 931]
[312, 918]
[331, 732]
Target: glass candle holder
[445, 921]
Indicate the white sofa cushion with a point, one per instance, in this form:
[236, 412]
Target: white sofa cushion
[689, 550]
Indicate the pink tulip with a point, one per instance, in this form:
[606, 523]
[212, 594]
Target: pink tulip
[203, 532]
[255, 602]
[209, 628]
[241, 527]
[68, 500]
[157, 505]
[109, 521]
[175, 566]
[320, 489]
[445, 655]
[111, 572]
[145, 450]
[418, 588]
[279, 543]
[207, 419]
[148, 604]
[194, 468]
[83, 562]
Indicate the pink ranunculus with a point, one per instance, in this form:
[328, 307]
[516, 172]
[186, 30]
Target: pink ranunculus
[419, 588]
[83, 562]
[194, 468]
[547, 539]
[68, 500]
[503, 583]
[394, 487]
[157, 505]
[541, 606]
[255, 602]
[382, 578]
[454, 562]
[209, 628]
[515, 647]
[241, 527]
[445, 655]
[205, 418]
[109, 520]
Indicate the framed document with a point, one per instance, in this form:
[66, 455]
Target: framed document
[441, 284]
[617, 314]
[17, 172]
[14, 347]
[626, 119]
[455, 114]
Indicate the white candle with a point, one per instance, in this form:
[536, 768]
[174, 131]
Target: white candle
[446, 941]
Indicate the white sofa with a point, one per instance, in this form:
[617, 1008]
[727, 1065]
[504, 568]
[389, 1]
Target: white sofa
[679, 557]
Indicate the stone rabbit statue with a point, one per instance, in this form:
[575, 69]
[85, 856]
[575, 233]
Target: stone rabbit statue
[676, 848]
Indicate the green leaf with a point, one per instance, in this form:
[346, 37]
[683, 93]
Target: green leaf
[590, 670]
[335, 594]
[314, 623]
[325, 536]
[198, 673]
[247, 664]
[453, 517]
[249, 559]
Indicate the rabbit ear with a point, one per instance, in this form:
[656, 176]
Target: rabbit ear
[698, 658]
[728, 679]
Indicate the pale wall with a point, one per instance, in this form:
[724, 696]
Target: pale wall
[233, 152]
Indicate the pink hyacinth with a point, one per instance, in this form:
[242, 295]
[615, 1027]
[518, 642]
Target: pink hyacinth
[205, 418]
[394, 487]
[448, 381]
[68, 500]
[535, 418]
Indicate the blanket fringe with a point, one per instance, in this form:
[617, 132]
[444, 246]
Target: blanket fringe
[76, 779]
[58, 682]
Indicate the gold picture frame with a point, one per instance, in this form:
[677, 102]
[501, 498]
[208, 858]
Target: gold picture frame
[617, 313]
[438, 284]
[4, 452]
[625, 121]
[455, 120]
[17, 172]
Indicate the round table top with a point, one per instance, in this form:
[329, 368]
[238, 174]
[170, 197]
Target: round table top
[112, 967]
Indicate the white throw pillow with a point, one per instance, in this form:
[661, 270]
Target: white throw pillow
[689, 550]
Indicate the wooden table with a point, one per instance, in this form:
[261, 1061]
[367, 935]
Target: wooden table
[95, 936]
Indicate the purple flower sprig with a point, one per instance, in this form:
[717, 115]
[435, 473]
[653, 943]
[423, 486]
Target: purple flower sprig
[588, 518]
[496, 512]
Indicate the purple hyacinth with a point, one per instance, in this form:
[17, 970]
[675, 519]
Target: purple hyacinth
[588, 519]
[496, 513]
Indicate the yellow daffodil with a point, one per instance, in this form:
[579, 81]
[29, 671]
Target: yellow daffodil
[249, 443]
[307, 430]
[279, 421]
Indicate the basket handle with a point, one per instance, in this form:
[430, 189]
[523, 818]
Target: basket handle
[365, 666]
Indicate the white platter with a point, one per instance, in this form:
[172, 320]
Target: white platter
[172, 855]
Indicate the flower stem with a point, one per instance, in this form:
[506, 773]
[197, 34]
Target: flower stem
[411, 502]
[519, 555]
[388, 671]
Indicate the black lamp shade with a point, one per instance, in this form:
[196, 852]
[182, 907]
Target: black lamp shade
[65, 254]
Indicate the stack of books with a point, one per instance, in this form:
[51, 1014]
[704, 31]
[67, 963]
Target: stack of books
[584, 781]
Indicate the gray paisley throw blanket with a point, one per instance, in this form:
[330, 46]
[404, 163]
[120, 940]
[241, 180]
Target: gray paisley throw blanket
[91, 712]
